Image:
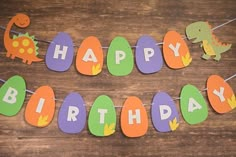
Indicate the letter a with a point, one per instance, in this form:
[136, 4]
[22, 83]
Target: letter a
[193, 105]
[89, 56]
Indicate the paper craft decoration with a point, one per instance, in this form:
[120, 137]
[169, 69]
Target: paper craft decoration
[193, 105]
[175, 51]
[72, 114]
[120, 61]
[102, 117]
[12, 96]
[202, 32]
[89, 60]
[134, 119]
[60, 53]
[220, 94]
[40, 109]
[164, 113]
[148, 55]
[22, 46]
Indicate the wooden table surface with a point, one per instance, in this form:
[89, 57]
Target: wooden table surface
[107, 19]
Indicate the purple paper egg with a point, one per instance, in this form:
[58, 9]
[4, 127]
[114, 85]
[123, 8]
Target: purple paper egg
[72, 114]
[60, 53]
[148, 55]
[164, 112]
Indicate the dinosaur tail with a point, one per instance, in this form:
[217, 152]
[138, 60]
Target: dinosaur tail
[224, 47]
[36, 59]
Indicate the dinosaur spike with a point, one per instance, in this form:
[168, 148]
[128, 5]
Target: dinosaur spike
[32, 37]
[216, 41]
[208, 24]
[14, 36]
[35, 42]
[36, 50]
[27, 34]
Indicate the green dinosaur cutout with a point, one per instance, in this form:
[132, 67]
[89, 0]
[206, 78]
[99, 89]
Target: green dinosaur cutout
[202, 32]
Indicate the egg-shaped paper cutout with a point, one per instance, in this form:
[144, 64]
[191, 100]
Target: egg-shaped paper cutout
[175, 51]
[193, 105]
[134, 119]
[72, 114]
[220, 95]
[148, 55]
[12, 96]
[120, 60]
[164, 113]
[40, 109]
[102, 117]
[89, 60]
[60, 53]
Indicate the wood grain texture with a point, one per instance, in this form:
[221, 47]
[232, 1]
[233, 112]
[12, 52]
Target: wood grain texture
[107, 19]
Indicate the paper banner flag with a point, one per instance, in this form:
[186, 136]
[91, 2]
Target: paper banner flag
[102, 117]
[134, 119]
[89, 60]
[72, 114]
[120, 61]
[202, 32]
[148, 55]
[12, 96]
[175, 51]
[60, 53]
[22, 46]
[40, 109]
[220, 94]
[164, 113]
[193, 105]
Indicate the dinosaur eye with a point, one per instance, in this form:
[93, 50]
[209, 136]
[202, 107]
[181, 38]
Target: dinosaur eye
[199, 30]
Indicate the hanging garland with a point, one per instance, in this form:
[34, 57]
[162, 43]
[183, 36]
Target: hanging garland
[40, 109]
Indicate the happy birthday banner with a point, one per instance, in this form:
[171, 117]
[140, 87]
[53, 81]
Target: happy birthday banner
[120, 59]
[40, 108]
[102, 121]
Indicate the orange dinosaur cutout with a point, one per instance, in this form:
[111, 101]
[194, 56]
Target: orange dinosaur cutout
[22, 46]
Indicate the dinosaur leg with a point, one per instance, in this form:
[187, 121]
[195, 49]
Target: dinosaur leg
[24, 60]
[8, 54]
[218, 57]
[205, 56]
[13, 56]
[29, 62]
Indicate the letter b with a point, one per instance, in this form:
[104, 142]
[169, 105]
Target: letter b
[10, 96]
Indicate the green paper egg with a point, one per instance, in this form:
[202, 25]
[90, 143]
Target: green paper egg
[12, 96]
[120, 60]
[193, 105]
[102, 117]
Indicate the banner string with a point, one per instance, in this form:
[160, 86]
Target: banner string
[174, 98]
[106, 47]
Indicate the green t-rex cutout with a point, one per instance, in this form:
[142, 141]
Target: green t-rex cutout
[202, 32]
